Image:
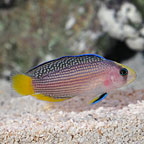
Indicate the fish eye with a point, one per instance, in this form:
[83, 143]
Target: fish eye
[123, 72]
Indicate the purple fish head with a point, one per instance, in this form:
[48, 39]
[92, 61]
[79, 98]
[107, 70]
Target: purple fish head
[119, 75]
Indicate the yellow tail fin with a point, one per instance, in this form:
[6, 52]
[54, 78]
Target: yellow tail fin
[22, 84]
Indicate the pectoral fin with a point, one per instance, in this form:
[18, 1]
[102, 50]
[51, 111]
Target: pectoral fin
[97, 99]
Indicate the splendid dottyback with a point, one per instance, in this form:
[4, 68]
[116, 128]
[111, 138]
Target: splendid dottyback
[71, 76]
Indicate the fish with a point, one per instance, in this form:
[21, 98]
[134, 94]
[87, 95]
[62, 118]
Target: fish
[70, 76]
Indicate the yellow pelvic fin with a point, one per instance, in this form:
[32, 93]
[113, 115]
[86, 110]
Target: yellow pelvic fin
[22, 84]
[97, 99]
[47, 98]
[93, 100]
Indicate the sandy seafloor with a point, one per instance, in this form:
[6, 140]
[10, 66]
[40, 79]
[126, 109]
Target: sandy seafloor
[118, 119]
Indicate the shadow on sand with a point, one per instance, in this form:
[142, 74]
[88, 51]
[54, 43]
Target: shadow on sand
[116, 100]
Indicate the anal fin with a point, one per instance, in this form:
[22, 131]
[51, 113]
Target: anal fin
[47, 98]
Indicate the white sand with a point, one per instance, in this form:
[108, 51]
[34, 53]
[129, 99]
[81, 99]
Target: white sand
[118, 119]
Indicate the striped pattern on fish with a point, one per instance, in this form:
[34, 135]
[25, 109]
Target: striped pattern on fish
[71, 76]
[71, 81]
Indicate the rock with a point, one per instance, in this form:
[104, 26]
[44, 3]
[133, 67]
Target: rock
[71, 21]
[125, 23]
[136, 44]
[128, 11]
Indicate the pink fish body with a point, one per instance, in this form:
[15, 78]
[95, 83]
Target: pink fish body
[71, 76]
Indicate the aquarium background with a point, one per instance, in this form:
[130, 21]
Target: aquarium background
[34, 31]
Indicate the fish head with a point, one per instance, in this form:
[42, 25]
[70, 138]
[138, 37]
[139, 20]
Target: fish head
[120, 75]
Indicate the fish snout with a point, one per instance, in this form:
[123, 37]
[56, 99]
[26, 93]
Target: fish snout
[131, 75]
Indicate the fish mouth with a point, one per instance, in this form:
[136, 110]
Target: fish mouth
[131, 74]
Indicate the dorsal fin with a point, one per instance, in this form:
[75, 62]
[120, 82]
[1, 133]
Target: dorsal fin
[63, 58]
